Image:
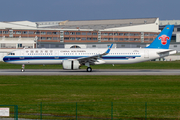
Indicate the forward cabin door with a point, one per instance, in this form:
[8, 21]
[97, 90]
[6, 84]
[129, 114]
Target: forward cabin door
[146, 53]
[56, 54]
[22, 54]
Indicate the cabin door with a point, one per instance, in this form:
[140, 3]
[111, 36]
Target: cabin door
[56, 54]
[146, 53]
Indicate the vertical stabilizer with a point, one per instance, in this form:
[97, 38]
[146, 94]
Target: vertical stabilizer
[162, 41]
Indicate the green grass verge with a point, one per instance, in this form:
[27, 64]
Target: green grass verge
[143, 65]
[96, 96]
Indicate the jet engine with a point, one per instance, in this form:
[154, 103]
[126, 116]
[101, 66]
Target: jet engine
[70, 64]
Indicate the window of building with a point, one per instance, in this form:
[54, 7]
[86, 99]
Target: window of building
[72, 38]
[89, 33]
[178, 29]
[111, 39]
[83, 38]
[136, 39]
[136, 34]
[19, 45]
[94, 33]
[131, 34]
[131, 39]
[175, 45]
[138, 46]
[93, 46]
[78, 33]
[88, 38]
[122, 45]
[66, 38]
[24, 32]
[151, 39]
[43, 33]
[49, 33]
[126, 39]
[155, 34]
[30, 32]
[146, 39]
[18, 32]
[5, 32]
[37, 33]
[116, 39]
[110, 34]
[43, 38]
[106, 34]
[55, 33]
[146, 34]
[151, 34]
[126, 34]
[105, 39]
[121, 34]
[94, 38]
[116, 34]
[78, 38]
[83, 33]
[49, 38]
[75, 46]
[121, 39]
[55, 38]
[72, 33]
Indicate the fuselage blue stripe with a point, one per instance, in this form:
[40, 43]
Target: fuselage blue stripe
[25, 58]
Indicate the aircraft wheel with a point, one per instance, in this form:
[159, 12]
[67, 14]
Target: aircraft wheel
[22, 70]
[89, 69]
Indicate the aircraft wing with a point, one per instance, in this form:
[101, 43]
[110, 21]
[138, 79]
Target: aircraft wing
[94, 58]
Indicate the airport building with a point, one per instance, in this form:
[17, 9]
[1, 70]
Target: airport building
[124, 33]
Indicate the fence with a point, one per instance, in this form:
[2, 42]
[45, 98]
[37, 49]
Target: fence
[13, 111]
[100, 110]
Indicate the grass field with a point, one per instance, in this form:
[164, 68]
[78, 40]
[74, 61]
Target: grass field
[94, 95]
[143, 65]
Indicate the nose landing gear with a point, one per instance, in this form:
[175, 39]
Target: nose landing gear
[23, 68]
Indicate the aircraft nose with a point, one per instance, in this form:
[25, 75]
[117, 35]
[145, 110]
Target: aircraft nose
[4, 59]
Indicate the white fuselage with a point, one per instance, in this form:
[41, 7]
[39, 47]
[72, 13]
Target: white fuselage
[57, 56]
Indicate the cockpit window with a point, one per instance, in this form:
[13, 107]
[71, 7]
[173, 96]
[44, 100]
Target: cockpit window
[11, 54]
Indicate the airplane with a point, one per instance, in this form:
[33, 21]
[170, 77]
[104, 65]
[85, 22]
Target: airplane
[73, 59]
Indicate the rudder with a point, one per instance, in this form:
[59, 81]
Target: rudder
[162, 41]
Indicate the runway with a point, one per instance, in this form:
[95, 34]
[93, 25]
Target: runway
[94, 72]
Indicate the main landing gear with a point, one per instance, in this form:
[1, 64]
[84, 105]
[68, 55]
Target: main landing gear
[89, 69]
[23, 68]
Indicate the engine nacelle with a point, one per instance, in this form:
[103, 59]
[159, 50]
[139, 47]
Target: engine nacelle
[70, 64]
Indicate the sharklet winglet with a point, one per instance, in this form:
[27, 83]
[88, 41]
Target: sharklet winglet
[109, 48]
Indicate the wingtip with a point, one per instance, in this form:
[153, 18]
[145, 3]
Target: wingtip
[109, 48]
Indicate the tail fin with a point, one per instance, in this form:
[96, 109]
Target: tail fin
[162, 41]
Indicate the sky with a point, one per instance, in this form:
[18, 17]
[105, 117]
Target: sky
[59, 10]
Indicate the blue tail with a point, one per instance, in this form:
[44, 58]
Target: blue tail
[162, 41]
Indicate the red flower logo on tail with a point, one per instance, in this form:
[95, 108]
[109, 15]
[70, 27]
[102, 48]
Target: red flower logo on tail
[163, 39]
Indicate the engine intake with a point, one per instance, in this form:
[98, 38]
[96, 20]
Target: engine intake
[70, 64]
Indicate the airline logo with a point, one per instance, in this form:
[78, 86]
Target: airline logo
[163, 39]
